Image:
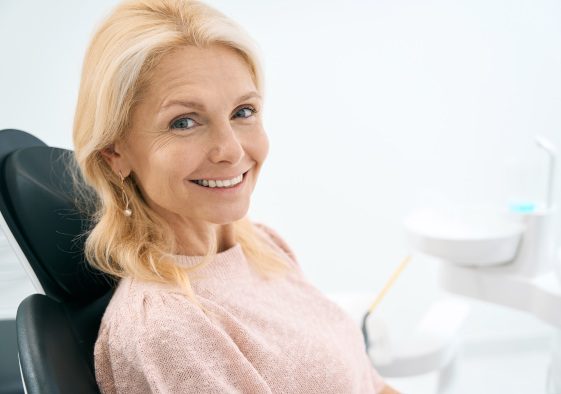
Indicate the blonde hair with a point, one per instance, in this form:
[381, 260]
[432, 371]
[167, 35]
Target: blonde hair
[117, 66]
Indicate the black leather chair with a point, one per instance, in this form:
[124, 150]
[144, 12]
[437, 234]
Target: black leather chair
[56, 330]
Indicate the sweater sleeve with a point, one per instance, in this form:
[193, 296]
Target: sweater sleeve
[377, 379]
[170, 346]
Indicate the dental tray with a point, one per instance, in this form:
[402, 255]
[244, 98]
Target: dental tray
[467, 237]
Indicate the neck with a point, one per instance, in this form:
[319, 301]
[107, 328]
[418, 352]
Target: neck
[195, 241]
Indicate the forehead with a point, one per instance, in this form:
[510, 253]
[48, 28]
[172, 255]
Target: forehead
[217, 68]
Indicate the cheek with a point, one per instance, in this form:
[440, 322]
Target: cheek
[165, 169]
[260, 147]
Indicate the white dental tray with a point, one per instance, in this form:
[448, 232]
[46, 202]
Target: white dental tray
[469, 237]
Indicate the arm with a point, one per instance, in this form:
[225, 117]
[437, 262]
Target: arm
[280, 242]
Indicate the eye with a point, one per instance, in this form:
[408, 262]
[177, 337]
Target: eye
[182, 123]
[248, 111]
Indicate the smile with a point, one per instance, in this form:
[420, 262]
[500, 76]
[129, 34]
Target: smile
[225, 183]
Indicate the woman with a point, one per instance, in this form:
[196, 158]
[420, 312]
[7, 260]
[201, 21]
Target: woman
[168, 133]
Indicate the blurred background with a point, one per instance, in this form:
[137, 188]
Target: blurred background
[373, 109]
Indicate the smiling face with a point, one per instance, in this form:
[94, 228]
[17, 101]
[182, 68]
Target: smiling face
[198, 119]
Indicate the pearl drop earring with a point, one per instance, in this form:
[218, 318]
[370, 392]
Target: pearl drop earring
[127, 211]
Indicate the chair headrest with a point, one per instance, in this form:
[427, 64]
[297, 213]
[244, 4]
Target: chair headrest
[42, 201]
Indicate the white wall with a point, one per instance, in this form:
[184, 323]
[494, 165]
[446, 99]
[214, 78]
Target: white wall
[373, 108]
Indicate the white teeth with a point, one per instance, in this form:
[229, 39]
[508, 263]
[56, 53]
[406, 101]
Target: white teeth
[224, 183]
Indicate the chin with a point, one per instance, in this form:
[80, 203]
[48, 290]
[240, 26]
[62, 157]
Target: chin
[227, 217]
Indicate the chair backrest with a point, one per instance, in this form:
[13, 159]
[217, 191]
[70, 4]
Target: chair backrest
[12, 140]
[56, 331]
[55, 344]
[38, 203]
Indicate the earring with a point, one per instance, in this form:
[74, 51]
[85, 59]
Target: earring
[127, 211]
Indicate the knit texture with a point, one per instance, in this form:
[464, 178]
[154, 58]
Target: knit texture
[269, 336]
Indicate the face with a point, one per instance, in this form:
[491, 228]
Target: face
[197, 125]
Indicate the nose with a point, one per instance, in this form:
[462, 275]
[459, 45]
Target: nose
[225, 145]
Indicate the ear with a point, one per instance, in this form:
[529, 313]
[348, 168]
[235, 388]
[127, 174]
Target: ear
[113, 156]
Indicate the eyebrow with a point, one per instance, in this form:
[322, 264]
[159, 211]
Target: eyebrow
[201, 107]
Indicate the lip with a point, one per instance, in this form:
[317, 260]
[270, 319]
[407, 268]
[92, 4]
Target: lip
[223, 189]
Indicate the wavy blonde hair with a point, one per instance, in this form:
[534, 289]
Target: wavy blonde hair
[117, 68]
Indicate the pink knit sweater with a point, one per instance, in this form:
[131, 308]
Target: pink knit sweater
[276, 336]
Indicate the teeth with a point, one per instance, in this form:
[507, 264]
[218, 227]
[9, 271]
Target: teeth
[224, 183]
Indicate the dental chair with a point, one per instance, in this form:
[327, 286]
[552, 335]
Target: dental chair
[57, 328]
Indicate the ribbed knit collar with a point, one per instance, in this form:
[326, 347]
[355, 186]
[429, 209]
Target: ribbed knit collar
[225, 265]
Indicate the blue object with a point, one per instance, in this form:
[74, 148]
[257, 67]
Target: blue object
[523, 207]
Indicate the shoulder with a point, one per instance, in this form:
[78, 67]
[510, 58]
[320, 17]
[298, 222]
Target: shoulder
[276, 239]
[147, 327]
[138, 299]
[154, 339]
[146, 310]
